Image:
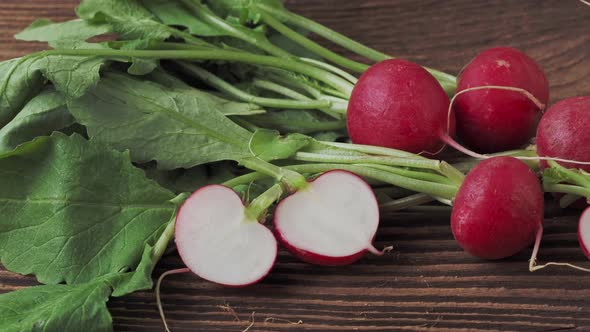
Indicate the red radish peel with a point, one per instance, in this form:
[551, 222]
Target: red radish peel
[332, 222]
[498, 209]
[398, 104]
[493, 120]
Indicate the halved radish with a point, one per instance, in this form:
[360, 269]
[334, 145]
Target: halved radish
[219, 243]
[331, 222]
[584, 232]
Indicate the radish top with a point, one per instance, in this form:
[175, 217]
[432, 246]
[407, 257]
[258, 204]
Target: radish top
[398, 104]
[498, 209]
[496, 120]
[564, 132]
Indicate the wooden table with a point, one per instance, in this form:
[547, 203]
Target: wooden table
[427, 282]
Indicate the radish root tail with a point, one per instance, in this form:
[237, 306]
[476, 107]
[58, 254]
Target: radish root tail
[533, 262]
[378, 252]
[456, 145]
[159, 300]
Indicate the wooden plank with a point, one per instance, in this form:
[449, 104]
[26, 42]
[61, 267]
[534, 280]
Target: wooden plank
[427, 283]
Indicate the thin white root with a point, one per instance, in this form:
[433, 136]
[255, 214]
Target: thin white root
[585, 2]
[273, 319]
[378, 252]
[533, 261]
[251, 323]
[159, 300]
[450, 141]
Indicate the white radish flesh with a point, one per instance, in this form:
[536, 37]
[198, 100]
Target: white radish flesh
[217, 242]
[332, 222]
[584, 232]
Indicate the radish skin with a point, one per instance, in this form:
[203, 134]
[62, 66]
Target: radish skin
[498, 210]
[493, 120]
[398, 104]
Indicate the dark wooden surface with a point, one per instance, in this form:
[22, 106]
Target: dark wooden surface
[427, 283]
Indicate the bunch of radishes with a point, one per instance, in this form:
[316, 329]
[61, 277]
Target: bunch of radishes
[497, 212]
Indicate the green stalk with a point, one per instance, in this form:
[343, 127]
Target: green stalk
[229, 89]
[405, 202]
[330, 79]
[448, 82]
[162, 243]
[567, 189]
[425, 176]
[312, 46]
[332, 69]
[389, 161]
[256, 210]
[292, 179]
[205, 14]
[434, 189]
[570, 176]
[375, 150]
[300, 127]
[335, 110]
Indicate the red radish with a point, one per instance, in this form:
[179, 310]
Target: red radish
[498, 209]
[219, 243]
[332, 222]
[492, 120]
[398, 104]
[564, 132]
[584, 232]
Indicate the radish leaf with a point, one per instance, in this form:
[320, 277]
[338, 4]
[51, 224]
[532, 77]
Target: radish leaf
[175, 128]
[73, 210]
[42, 115]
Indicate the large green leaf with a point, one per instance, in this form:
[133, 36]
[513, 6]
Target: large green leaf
[47, 31]
[174, 128]
[44, 114]
[18, 84]
[73, 210]
[129, 19]
[174, 13]
[270, 145]
[57, 308]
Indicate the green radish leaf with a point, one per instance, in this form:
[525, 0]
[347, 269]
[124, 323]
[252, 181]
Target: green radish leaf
[57, 308]
[73, 210]
[175, 128]
[48, 31]
[129, 19]
[179, 180]
[270, 145]
[18, 84]
[174, 13]
[241, 8]
[227, 107]
[44, 114]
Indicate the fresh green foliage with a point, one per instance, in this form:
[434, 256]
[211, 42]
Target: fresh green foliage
[269, 145]
[244, 9]
[75, 30]
[129, 19]
[44, 114]
[18, 84]
[57, 308]
[73, 210]
[298, 121]
[174, 128]
[173, 13]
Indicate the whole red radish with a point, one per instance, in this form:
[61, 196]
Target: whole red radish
[564, 132]
[498, 209]
[332, 222]
[584, 232]
[492, 120]
[219, 243]
[398, 104]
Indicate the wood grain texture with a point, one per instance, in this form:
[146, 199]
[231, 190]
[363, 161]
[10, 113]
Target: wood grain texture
[427, 283]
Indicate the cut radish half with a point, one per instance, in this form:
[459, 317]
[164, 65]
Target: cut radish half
[332, 222]
[218, 243]
[584, 232]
